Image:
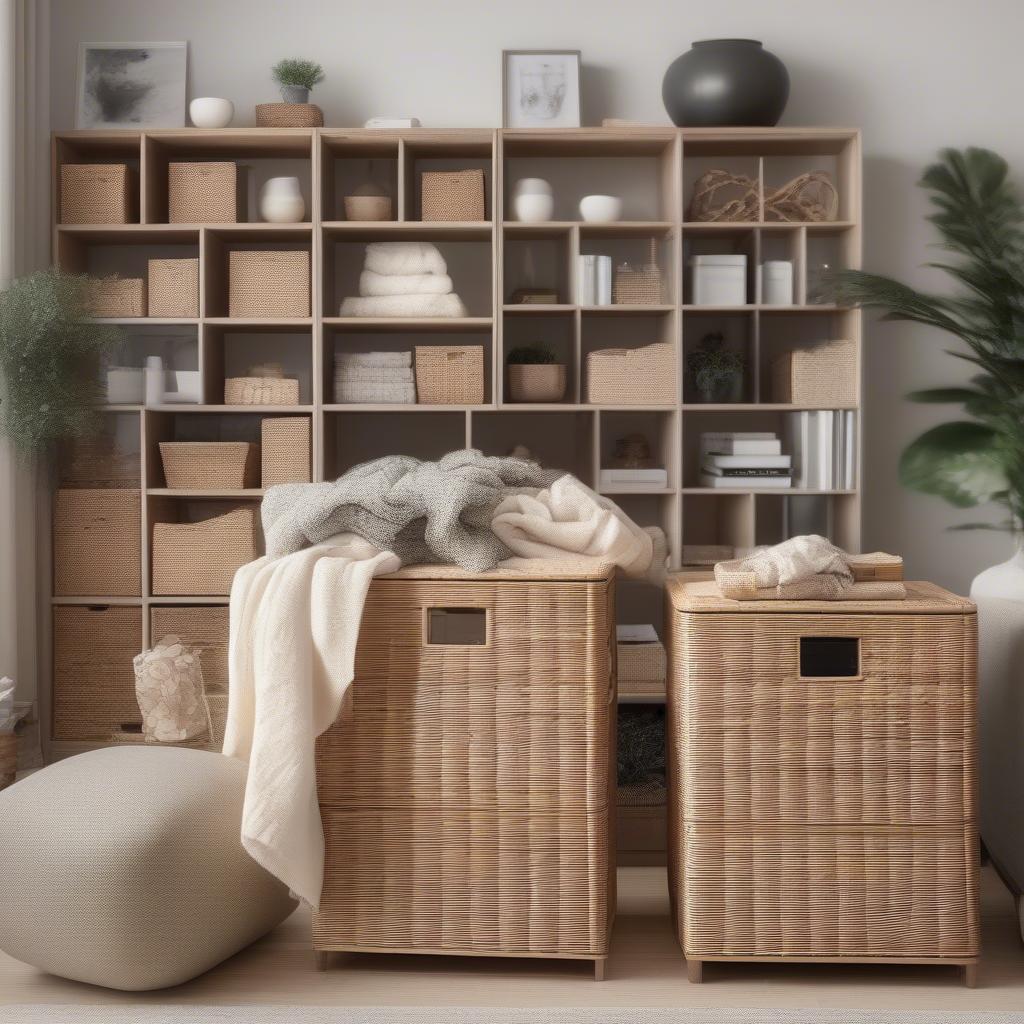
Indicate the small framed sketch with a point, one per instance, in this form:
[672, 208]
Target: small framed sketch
[540, 88]
[131, 85]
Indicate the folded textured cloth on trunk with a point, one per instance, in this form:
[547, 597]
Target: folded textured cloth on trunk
[371, 283]
[372, 359]
[394, 258]
[403, 305]
[346, 391]
[807, 568]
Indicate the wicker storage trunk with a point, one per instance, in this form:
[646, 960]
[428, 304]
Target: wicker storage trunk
[210, 465]
[450, 374]
[286, 450]
[265, 284]
[468, 800]
[824, 376]
[116, 296]
[95, 194]
[202, 558]
[453, 195]
[97, 543]
[632, 376]
[202, 193]
[205, 628]
[822, 778]
[93, 678]
[174, 288]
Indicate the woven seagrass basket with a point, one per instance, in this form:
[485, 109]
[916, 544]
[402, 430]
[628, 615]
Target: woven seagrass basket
[639, 286]
[453, 195]
[825, 375]
[204, 628]
[116, 296]
[210, 465]
[95, 194]
[289, 115]
[174, 288]
[632, 376]
[537, 382]
[261, 391]
[268, 284]
[202, 558]
[97, 543]
[202, 193]
[450, 374]
[286, 450]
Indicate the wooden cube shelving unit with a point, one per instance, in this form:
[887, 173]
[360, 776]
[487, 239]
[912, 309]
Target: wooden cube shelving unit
[652, 169]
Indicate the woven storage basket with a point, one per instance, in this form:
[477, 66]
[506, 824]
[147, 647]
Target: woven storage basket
[823, 376]
[453, 195]
[8, 759]
[266, 284]
[639, 286]
[830, 814]
[642, 669]
[205, 628]
[95, 194]
[93, 678]
[632, 376]
[174, 288]
[116, 296]
[286, 450]
[536, 382]
[261, 391]
[97, 543]
[289, 115]
[210, 465]
[466, 800]
[202, 558]
[450, 374]
[98, 463]
[202, 193]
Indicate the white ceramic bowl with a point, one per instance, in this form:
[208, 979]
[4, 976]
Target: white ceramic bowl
[533, 207]
[600, 209]
[532, 187]
[211, 112]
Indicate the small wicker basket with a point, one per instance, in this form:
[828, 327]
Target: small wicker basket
[824, 376]
[95, 194]
[97, 543]
[286, 450]
[174, 288]
[289, 115]
[202, 193]
[116, 296]
[639, 286]
[632, 376]
[450, 374]
[202, 558]
[536, 382]
[210, 465]
[262, 283]
[261, 391]
[453, 195]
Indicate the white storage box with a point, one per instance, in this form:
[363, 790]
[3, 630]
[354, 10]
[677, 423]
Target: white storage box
[777, 283]
[125, 385]
[633, 479]
[718, 280]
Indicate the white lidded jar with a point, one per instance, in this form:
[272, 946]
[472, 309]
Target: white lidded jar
[718, 280]
[777, 283]
[281, 201]
[532, 200]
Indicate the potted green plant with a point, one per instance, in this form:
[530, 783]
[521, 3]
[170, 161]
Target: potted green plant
[297, 76]
[716, 372]
[50, 354]
[535, 375]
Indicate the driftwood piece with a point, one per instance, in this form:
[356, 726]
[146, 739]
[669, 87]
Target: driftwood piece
[720, 195]
[808, 197]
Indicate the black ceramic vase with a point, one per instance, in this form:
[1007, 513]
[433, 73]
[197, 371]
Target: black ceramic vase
[726, 83]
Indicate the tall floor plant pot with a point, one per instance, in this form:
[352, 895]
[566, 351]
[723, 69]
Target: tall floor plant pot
[999, 595]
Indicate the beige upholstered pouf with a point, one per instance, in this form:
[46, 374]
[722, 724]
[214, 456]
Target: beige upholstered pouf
[123, 867]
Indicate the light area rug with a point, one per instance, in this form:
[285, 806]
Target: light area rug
[473, 1015]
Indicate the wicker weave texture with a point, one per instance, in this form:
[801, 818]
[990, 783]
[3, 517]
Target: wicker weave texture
[286, 450]
[261, 391]
[265, 283]
[116, 296]
[99, 463]
[453, 195]
[450, 374]
[97, 543]
[466, 799]
[289, 115]
[202, 558]
[632, 376]
[174, 288]
[530, 382]
[95, 194]
[93, 678]
[823, 376]
[211, 465]
[202, 193]
[641, 663]
[202, 628]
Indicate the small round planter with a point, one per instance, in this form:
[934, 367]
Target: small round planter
[536, 382]
[211, 112]
[729, 392]
[294, 94]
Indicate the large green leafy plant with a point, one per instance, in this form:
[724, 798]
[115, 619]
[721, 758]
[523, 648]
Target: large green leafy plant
[50, 354]
[980, 220]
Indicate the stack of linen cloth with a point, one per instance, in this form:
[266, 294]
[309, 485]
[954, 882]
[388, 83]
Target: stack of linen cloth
[404, 279]
[374, 377]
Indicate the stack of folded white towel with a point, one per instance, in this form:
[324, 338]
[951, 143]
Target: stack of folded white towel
[374, 377]
[404, 279]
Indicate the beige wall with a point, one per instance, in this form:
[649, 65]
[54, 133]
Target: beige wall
[915, 75]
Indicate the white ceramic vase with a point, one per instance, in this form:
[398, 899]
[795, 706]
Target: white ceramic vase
[532, 200]
[211, 112]
[999, 595]
[281, 201]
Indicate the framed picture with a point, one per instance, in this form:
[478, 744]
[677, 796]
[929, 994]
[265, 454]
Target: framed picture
[131, 85]
[540, 88]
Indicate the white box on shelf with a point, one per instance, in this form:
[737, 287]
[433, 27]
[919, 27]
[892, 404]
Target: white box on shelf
[776, 283]
[719, 280]
[641, 479]
[125, 385]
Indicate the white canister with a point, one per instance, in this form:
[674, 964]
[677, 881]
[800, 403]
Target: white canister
[154, 380]
[211, 112]
[533, 207]
[281, 201]
[718, 280]
[777, 283]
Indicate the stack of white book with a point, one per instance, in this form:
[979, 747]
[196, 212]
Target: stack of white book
[823, 444]
[593, 280]
[748, 459]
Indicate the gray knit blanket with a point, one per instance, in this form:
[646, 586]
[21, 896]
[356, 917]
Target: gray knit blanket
[422, 511]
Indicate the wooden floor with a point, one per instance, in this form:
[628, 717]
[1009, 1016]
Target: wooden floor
[645, 969]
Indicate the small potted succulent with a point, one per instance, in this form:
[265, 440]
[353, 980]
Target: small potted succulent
[535, 375]
[716, 372]
[296, 77]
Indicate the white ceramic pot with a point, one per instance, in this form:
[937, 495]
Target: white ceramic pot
[600, 209]
[533, 207]
[532, 187]
[999, 595]
[281, 201]
[211, 112]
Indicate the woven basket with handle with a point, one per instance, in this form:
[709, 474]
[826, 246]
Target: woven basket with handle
[632, 376]
[450, 374]
[202, 558]
[95, 194]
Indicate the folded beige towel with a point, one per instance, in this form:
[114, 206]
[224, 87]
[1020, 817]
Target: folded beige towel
[371, 283]
[404, 305]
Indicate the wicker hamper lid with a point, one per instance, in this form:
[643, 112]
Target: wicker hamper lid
[524, 569]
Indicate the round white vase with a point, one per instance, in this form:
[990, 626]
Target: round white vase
[211, 112]
[999, 594]
[533, 207]
[281, 201]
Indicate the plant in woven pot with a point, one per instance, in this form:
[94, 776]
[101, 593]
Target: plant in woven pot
[535, 375]
[50, 356]
[297, 76]
[716, 372]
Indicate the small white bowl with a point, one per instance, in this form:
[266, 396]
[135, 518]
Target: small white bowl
[211, 112]
[533, 207]
[600, 209]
